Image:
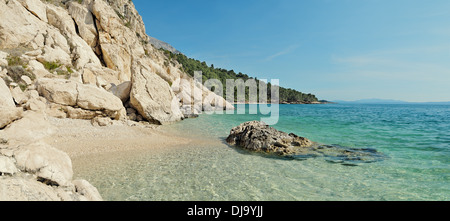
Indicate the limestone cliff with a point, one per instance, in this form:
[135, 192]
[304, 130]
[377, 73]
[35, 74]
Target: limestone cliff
[87, 59]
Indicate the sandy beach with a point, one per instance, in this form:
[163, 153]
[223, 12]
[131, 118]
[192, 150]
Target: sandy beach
[79, 139]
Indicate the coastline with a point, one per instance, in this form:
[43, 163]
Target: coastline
[327, 102]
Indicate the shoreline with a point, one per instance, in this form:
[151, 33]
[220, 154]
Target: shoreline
[79, 138]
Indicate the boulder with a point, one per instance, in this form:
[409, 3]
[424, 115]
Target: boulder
[27, 80]
[7, 166]
[58, 91]
[85, 189]
[25, 189]
[55, 54]
[101, 121]
[87, 97]
[6, 99]
[97, 99]
[258, 136]
[19, 96]
[153, 98]
[36, 104]
[32, 127]
[36, 7]
[38, 69]
[100, 76]
[9, 115]
[50, 165]
[122, 91]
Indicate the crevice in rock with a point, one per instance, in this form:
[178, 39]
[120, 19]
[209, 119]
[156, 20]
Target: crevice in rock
[32, 12]
[47, 181]
[77, 30]
[98, 47]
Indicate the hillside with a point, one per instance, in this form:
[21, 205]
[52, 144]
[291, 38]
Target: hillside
[190, 65]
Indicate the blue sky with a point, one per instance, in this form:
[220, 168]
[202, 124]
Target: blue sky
[336, 49]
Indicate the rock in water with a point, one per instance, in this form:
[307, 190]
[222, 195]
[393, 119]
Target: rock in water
[259, 137]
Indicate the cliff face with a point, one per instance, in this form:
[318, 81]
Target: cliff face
[97, 42]
[87, 59]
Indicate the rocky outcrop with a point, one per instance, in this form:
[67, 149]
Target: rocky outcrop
[153, 98]
[30, 169]
[8, 115]
[85, 96]
[259, 137]
[121, 91]
[8, 110]
[164, 45]
[58, 91]
[6, 99]
[50, 165]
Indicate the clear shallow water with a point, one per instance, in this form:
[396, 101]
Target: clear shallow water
[416, 139]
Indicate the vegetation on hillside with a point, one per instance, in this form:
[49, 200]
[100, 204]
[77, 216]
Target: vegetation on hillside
[210, 72]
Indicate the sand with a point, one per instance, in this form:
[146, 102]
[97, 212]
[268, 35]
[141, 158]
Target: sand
[78, 138]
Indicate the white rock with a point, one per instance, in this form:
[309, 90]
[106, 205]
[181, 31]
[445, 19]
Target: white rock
[84, 188]
[8, 115]
[25, 189]
[85, 22]
[7, 166]
[94, 98]
[122, 91]
[36, 104]
[18, 27]
[19, 96]
[32, 127]
[78, 113]
[153, 98]
[46, 162]
[6, 99]
[56, 54]
[38, 69]
[58, 91]
[3, 61]
[60, 18]
[36, 7]
[27, 80]
[101, 121]
[92, 72]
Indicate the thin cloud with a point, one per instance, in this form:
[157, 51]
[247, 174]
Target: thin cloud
[283, 52]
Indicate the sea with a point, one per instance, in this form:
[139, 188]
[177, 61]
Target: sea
[414, 140]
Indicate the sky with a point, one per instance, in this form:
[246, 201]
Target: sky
[335, 49]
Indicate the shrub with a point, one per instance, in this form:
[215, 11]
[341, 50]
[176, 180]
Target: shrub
[51, 65]
[16, 73]
[15, 61]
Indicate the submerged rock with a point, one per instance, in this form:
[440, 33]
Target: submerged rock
[259, 137]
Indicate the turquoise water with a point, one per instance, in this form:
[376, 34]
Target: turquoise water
[415, 139]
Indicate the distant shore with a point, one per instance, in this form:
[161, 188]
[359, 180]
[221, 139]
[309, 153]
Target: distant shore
[284, 102]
